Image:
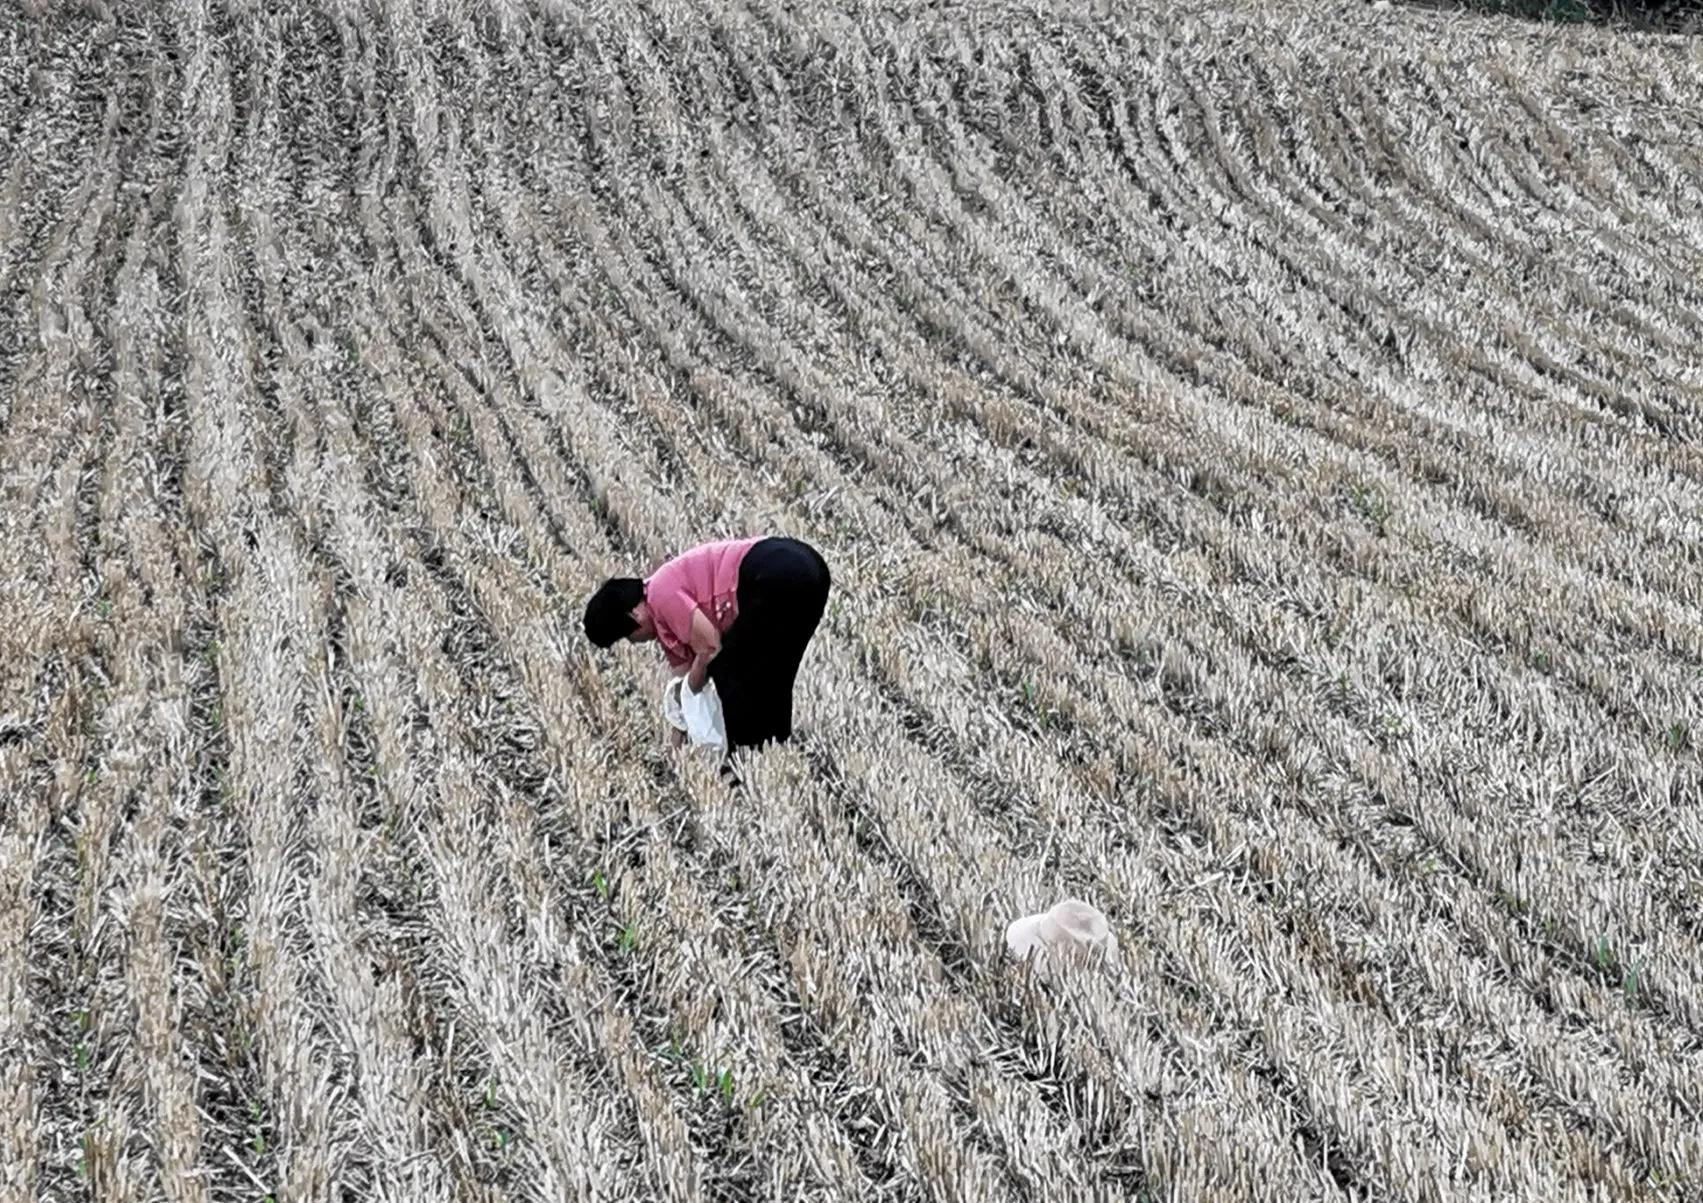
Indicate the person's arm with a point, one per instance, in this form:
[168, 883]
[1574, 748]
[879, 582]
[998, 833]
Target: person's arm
[705, 642]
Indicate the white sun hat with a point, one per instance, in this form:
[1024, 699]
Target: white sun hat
[1071, 930]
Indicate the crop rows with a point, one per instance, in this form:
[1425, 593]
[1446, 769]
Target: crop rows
[1258, 454]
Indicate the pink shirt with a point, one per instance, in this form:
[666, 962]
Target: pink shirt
[705, 578]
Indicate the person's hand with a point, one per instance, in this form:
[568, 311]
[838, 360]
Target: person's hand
[676, 737]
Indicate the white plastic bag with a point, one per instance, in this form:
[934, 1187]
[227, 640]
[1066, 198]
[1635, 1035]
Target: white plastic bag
[697, 714]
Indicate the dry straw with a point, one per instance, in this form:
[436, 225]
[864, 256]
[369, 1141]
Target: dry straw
[1257, 448]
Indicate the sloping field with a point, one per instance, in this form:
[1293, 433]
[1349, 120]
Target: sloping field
[1259, 454]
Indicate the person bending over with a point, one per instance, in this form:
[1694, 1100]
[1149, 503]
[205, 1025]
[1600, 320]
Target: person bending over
[739, 612]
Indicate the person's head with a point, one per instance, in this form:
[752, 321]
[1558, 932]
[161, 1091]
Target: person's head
[617, 611]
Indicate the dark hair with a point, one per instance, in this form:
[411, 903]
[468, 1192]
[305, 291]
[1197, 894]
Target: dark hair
[609, 613]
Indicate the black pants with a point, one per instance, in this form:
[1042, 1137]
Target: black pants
[783, 590]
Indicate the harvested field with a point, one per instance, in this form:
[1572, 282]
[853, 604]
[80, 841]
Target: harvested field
[1258, 448]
